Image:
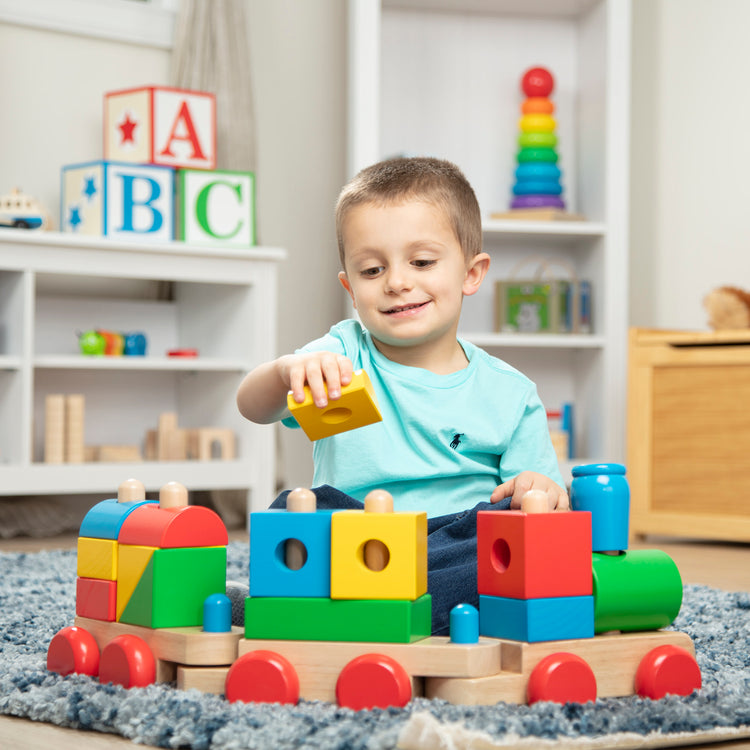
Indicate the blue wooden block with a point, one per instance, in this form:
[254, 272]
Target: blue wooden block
[269, 574]
[124, 201]
[534, 620]
[104, 520]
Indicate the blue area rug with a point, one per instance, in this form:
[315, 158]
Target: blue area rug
[37, 594]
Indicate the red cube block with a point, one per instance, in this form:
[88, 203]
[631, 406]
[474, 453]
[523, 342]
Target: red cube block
[96, 598]
[534, 555]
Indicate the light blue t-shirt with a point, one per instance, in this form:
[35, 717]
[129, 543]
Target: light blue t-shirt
[446, 441]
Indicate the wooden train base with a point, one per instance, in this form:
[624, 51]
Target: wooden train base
[481, 673]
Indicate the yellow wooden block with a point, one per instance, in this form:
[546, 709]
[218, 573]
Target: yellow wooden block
[132, 561]
[357, 407]
[404, 534]
[97, 558]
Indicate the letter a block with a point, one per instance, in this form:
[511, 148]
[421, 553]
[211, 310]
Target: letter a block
[405, 573]
[124, 201]
[357, 407]
[216, 208]
[534, 555]
[157, 125]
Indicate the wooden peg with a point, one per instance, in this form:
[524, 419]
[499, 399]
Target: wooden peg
[131, 491]
[299, 500]
[535, 501]
[376, 552]
[173, 495]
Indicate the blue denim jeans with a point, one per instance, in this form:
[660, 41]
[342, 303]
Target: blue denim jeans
[451, 552]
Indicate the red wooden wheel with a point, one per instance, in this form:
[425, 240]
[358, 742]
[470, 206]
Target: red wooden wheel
[73, 649]
[562, 678]
[262, 677]
[373, 681]
[667, 669]
[127, 660]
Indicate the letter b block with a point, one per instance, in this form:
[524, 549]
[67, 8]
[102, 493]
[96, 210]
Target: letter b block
[405, 574]
[534, 555]
[125, 201]
[216, 208]
[157, 125]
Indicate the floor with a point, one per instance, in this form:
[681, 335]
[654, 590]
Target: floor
[723, 565]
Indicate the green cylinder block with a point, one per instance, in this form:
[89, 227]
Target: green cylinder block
[635, 590]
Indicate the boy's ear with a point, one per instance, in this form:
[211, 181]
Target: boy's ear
[344, 279]
[475, 273]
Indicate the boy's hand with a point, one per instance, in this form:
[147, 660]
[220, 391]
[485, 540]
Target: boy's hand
[317, 370]
[517, 487]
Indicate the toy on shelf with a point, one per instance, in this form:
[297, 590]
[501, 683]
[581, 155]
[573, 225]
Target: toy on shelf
[172, 443]
[537, 192]
[353, 627]
[356, 407]
[728, 307]
[112, 344]
[64, 428]
[21, 211]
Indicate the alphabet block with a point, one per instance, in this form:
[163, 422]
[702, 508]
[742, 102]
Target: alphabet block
[159, 125]
[534, 555]
[534, 620]
[319, 619]
[96, 598]
[357, 407]
[404, 535]
[124, 201]
[216, 208]
[174, 586]
[269, 573]
[97, 558]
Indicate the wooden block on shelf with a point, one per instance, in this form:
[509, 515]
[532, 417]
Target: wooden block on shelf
[171, 442]
[119, 453]
[74, 427]
[190, 645]
[208, 436]
[54, 428]
[538, 214]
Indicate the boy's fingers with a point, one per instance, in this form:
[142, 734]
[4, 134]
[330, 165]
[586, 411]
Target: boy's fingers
[502, 491]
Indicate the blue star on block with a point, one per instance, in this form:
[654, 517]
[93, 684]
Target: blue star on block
[90, 190]
[75, 217]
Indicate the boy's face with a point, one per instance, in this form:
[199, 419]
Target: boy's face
[407, 275]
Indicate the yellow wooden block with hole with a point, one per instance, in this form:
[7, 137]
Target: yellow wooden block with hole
[97, 558]
[357, 407]
[405, 537]
[132, 562]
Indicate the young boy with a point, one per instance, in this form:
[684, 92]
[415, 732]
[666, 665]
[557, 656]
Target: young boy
[460, 427]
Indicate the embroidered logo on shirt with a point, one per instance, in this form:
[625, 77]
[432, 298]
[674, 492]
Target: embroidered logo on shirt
[456, 440]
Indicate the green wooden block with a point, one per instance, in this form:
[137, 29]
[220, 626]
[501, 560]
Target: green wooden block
[321, 619]
[174, 586]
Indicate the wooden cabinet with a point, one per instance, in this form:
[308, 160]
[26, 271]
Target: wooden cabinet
[442, 77]
[689, 433]
[220, 301]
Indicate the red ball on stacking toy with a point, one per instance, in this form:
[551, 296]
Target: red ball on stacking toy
[537, 82]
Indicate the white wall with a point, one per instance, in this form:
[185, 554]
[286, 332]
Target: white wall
[51, 115]
[690, 193]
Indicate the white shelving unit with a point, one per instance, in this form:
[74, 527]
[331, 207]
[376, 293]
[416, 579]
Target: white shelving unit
[442, 77]
[222, 302]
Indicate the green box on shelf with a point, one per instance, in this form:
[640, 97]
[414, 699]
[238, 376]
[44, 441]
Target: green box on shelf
[536, 306]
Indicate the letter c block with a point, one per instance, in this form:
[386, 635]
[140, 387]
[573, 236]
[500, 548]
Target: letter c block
[405, 574]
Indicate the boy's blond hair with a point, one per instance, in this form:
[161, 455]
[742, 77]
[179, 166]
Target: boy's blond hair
[434, 181]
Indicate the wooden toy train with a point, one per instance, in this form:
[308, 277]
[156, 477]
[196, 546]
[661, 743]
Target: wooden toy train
[339, 610]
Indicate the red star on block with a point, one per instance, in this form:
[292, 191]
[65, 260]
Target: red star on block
[126, 128]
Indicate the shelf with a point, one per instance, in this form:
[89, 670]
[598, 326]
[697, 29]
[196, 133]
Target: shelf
[560, 229]
[166, 364]
[57, 479]
[535, 341]
[9, 362]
